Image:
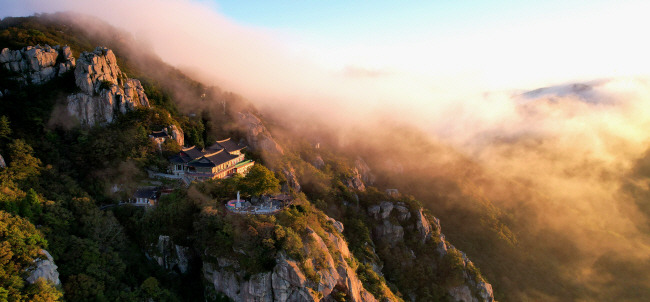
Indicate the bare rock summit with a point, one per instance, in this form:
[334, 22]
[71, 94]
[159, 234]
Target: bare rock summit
[37, 64]
[106, 90]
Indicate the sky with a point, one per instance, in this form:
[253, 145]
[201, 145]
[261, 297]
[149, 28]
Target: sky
[500, 44]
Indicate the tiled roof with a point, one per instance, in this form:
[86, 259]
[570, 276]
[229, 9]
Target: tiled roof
[146, 192]
[212, 159]
[217, 154]
[192, 152]
[157, 134]
[227, 144]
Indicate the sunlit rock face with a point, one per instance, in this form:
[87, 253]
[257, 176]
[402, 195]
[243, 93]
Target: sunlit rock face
[177, 134]
[286, 281]
[397, 222]
[105, 89]
[259, 138]
[37, 64]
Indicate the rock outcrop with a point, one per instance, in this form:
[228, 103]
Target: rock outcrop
[177, 134]
[171, 256]
[423, 226]
[105, 89]
[364, 170]
[44, 268]
[2, 162]
[354, 181]
[37, 64]
[292, 180]
[403, 212]
[394, 220]
[287, 281]
[258, 137]
[389, 232]
[318, 162]
[337, 224]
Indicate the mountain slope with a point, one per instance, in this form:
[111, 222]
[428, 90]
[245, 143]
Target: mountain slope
[102, 255]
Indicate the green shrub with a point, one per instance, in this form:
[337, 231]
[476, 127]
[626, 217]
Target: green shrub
[308, 269]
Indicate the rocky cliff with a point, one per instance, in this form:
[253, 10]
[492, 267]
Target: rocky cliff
[171, 256]
[259, 138]
[37, 64]
[288, 281]
[105, 90]
[395, 219]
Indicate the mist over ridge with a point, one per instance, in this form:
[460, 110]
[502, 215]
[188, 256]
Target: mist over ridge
[560, 160]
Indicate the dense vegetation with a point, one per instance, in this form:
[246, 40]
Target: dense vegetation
[57, 176]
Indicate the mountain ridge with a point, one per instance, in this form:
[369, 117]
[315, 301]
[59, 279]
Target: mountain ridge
[197, 201]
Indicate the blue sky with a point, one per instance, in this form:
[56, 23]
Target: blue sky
[563, 40]
[346, 19]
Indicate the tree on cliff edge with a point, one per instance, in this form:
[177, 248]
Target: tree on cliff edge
[259, 181]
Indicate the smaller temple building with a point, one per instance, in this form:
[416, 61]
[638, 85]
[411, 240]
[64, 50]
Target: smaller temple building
[146, 196]
[172, 132]
[159, 137]
[222, 159]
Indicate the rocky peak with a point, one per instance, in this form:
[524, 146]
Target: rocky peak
[105, 89]
[37, 64]
[97, 68]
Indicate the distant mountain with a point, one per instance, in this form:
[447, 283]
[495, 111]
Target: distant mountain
[584, 91]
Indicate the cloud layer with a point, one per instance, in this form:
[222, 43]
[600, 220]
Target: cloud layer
[570, 148]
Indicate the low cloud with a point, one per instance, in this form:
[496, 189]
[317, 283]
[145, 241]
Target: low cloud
[361, 72]
[560, 158]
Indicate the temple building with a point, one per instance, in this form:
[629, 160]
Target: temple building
[222, 159]
[146, 196]
[159, 137]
